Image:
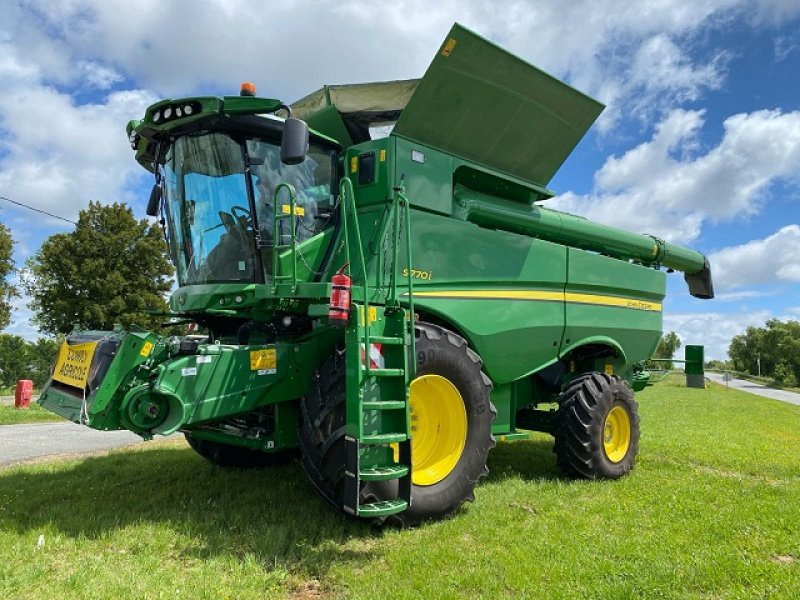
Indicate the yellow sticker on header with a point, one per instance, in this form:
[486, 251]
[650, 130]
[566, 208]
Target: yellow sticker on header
[448, 47]
[383, 155]
[353, 164]
[609, 370]
[147, 347]
[264, 361]
[73, 362]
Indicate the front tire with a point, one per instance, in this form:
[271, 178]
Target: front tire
[451, 429]
[597, 428]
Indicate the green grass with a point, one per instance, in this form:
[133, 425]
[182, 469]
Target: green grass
[711, 511]
[35, 414]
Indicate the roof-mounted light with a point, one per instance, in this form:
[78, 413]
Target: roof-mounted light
[248, 89]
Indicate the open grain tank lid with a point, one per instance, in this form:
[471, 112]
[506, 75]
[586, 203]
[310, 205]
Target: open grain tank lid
[476, 101]
[484, 104]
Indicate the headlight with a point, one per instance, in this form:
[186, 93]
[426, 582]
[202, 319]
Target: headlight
[188, 110]
[168, 112]
[156, 116]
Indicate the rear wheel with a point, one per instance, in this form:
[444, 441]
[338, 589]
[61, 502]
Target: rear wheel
[451, 422]
[225, 455]
[597, 428]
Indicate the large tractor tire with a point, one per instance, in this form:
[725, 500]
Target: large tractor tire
[597, 428]
[451, 417]
[225, 455]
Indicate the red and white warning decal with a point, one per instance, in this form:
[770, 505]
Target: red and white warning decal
[375, 356]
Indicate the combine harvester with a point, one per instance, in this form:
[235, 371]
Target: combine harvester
[385, 308]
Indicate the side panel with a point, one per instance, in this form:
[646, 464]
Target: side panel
[503, 291]
[615, 299]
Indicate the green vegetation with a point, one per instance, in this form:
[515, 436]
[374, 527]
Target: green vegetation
[35, 414]
[772, 351]
[667, 347]
[712, 510]
[7, 291]
[20, 359]
[110, 270]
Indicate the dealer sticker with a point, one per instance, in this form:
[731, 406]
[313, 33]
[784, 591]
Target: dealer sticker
[73, 362]
[189, 371]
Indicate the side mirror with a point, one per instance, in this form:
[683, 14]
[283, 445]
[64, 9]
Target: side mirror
[154, 202]
[294, 143]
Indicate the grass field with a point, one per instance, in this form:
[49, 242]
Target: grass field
[711, 511]
[35, 414]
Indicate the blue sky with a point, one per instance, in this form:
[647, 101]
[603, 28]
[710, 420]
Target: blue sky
[699, 144]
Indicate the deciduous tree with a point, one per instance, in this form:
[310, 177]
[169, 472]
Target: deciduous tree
[667, 346]
[7, 291]
[111, 269]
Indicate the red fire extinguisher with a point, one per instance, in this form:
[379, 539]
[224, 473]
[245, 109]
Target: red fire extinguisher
[339, 309]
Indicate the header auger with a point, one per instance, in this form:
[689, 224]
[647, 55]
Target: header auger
[381, 289]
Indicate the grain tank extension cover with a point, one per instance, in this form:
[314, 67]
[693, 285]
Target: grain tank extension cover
[481, 103]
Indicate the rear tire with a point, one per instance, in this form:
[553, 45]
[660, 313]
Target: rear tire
[440, 353]
[225, 455]
[597, 428]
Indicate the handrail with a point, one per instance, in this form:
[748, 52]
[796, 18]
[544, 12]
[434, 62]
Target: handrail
[401, 198]
[348, 205]
[277, 238]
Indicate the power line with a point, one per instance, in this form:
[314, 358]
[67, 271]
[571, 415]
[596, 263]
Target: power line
[44, 212]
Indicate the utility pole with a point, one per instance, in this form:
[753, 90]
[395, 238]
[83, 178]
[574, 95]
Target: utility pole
[758, 360]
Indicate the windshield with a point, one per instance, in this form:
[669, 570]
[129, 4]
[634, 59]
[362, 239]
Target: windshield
[212, 234]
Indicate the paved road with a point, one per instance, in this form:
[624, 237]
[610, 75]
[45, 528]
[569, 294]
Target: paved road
[24, 442]
[757, 388]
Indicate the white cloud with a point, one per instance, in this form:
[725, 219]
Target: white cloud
[56, 155]
[712, 329]
[773, 259]
[741, 295]
[637, 57]
[668, 188]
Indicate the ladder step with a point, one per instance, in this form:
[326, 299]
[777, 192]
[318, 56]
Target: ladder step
[383, 438]
[387, 372]
[381, 509]
[386, 340]
[382, 473]
[383, 404]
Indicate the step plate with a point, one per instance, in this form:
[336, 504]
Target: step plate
[382, 509]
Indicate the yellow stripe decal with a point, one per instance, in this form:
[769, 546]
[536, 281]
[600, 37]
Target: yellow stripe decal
[571, 297]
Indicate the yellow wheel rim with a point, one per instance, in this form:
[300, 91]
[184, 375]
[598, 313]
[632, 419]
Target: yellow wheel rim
[617, 434]
[438, 428]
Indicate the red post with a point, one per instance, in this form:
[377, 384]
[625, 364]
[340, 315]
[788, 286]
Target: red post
[22, 397]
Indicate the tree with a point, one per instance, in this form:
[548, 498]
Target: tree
[772, 350]
[667, 346]
[20, 359]
[13, 360]
[111, 269]
[7, 291]
[41, 356]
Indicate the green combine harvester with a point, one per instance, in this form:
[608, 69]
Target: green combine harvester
[379, 288]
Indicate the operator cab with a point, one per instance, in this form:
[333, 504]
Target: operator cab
[219, 192]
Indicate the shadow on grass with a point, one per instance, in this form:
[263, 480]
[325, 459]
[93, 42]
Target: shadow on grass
[272, 514]
[531, 460]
